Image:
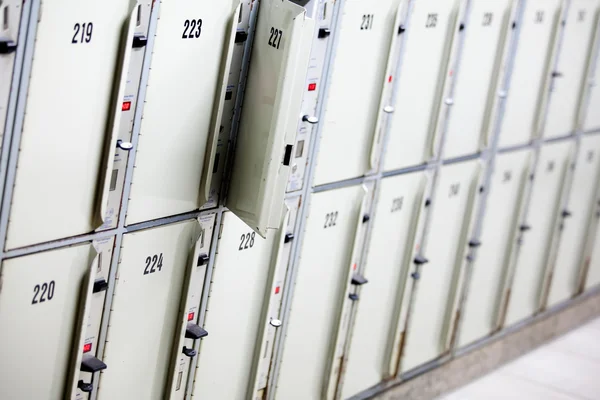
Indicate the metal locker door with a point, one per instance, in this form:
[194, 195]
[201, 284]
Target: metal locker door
[475, 86]
[319, 287]
[183, 106]
[580, 211]
[116, 164]
[10, 20]
[592, 276]
[60, 153]
[432, 26]
[269, 118]
[47, 291]
[395, 223]
[591, 120]
[569, 77]
[154, 276]
[538, 28]
[358, 74]
[503, 209]
[447, 232]
[543, 210]
[235, 305]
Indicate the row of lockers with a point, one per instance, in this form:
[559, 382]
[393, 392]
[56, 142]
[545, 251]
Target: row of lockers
[166, 103]
[285, 293]
[381, 312]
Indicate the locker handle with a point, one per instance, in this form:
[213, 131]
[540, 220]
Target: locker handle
[474, 243]
[7, 47]
[557, 74]
[310, 119]
[566, 214]
[100, 285]
[524, 228]
[219, 105]
[92, 364]
[359, 280]
[202, 260]
[420, 260]
[288, 237]
[241, 37]
[195, 332]
[85, 387]
[324, 33]
[191, 353]
[353, 296]
[139, 41]
[116, 116]
[127, 146]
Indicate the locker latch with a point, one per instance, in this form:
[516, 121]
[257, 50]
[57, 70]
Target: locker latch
[524, 228]
[139, 41]
[366, 218]
[189, 352]
[474, 243]
[92, 364]
[353, 296]
[566, 214]
[85, 387]
[275, 323]
[7, 46]
[310, 119]
[359, 280]
[100, 285]
[241, 37]
[193, 331]
[124, 145]
[202, 260]
[324, 33]
[420, 260]
[401, 29]
[288, 237]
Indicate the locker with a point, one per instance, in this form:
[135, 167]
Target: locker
[430, 321]
[123, 146]
[91, 329]
[235, 310]
[320, 305]
[579, 212]
[43, 305]
[475, 84]
[528, 86]
[503, 209]
[185, 97]
[78, 44]
[591, 120]
[395, 227]
[541, 217]
[432, 26]
[322, 12]
[569, 77]
[270, 114]
[153, 329]
[365, 35]
[10, 20]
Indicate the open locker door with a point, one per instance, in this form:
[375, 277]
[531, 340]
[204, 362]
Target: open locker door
[270, 114]
[435, 291]
[475, 83]
[431, 26]
[61, 146]
[579, 212]
[543, 211]
[386, 267]
[538, 29]
[569, 77]
[145, 322]
[506, 190]
[360, 83]
[10, 20]
[183, 105]
[319, 290]
[49, 290]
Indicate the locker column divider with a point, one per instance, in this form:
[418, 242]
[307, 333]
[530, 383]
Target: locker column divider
[435, 165]
[14, 91]
[305, 193]
[489, 156]
[536, 149]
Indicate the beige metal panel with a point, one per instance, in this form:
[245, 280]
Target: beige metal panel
[318, 292]
[593, 274]
[44, 292]
[538, 28]
[474, 90]
[420, 83]
[358, 75]
[591, 120]
[237, 294]
[63, 138]
[387, 265]
[436, 293]
[10, 18]
[569, 77]
[581, 205]
[270, 115]
[501, 219]
[144, 319]
[530, 268]
[183, 107]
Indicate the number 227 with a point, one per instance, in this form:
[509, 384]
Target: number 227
[275, 38]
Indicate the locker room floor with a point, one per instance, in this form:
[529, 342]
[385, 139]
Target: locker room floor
[567, 368]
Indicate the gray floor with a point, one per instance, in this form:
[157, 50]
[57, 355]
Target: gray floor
[567, 368]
